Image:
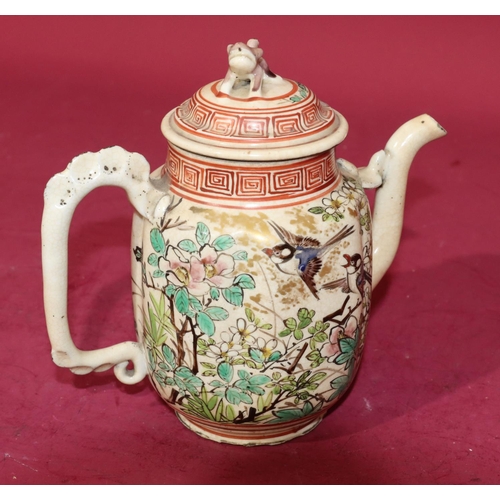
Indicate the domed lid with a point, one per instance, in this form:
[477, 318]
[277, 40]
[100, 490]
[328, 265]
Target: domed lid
[254, 115]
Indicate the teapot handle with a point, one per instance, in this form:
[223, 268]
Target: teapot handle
[109, 167]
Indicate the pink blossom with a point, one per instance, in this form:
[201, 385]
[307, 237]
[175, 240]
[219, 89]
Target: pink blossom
[216, 266]
[198, 274]
[182, 272]
[331, 349]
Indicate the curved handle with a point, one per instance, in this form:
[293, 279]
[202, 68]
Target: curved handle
[109, 167]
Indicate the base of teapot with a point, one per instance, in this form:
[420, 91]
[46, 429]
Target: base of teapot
[251, 434]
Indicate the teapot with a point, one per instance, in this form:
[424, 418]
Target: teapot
[254, 254]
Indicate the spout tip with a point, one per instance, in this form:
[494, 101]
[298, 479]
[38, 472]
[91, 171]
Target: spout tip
[433, 123]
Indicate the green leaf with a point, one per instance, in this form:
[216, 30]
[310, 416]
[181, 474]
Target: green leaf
[275, 356]
[308, 408]
[259, 379]
[246, 398]
[343, 358]
[216, 383]
[181, 300]
[291, 323]
[202, 344]
[303, 377]
[233, 395]
[223, 242]
[256, 355]
[339, 385]
[347, 345]
[188, 246]
[191, 382]
[244, 281]
[313, 355]
[153, 329]
[219, 410]
[205, 324]
[157, 241]
[304, 322]
[169, 357]
[243, 374]
[266, 326]
[225, 371]
[153, 259]
[250, 314]
[209, 373]
[317, 377]
[217, 313]
[212, 402]
[214, 293]
[195, 303]
[230, 415]
[304, 314]
[206, 410]
[242, 384]
[170, 290]
[233, 295]
[321, 337]
[260, 403]
[240, 255]
[255, 389]
[298, 334]
[210, 366]
[286, 415]
[285, 333]
[316, 210]
[158, 273]
[202, 234]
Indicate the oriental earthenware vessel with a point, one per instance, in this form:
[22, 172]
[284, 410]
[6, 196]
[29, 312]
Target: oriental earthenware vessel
[254, 254]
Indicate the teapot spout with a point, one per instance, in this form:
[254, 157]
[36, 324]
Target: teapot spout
[388, 170]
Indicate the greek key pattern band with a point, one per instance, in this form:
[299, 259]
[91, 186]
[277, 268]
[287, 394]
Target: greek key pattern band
[234, 185]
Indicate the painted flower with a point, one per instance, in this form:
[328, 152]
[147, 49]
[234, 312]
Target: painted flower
[266, 348]
[183, 272]
[217, 266]
[332, 348]
[334, 203]
[347, 192]
[244, 330]
[198, 274]
[351, 185]
[227, 350]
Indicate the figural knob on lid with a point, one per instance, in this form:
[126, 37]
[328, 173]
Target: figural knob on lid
[253, 114]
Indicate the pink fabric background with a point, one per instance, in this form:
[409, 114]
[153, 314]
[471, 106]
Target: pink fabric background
[426, 403]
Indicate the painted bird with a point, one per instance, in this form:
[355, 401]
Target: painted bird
[356, 278]
[302, 255]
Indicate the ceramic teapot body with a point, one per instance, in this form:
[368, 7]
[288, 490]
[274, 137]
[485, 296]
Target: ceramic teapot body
[253, 318]
[251, 257]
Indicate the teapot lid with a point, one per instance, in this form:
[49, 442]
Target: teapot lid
[254, 115]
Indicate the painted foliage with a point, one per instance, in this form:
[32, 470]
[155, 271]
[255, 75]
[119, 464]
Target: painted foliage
[214, 355]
